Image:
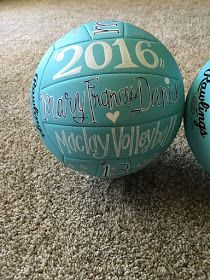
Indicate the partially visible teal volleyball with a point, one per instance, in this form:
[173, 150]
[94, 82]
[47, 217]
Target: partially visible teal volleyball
[197, 117]
[107, 98]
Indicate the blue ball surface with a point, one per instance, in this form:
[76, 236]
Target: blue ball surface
[197, 117]
[107, 98]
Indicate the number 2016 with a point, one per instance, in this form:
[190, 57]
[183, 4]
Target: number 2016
[68, 69]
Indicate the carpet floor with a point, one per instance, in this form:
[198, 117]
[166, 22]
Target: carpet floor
[58, 224]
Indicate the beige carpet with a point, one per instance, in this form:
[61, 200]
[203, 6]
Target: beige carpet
[58, 224]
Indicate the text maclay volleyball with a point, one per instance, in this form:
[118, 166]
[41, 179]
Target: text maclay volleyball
[127, 141]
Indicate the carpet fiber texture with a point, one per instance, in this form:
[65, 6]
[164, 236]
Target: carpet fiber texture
[58, 224]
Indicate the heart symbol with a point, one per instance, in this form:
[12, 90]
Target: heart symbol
[113, 116]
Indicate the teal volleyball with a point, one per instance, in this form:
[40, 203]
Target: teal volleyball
[107, 98]
[197, 117]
